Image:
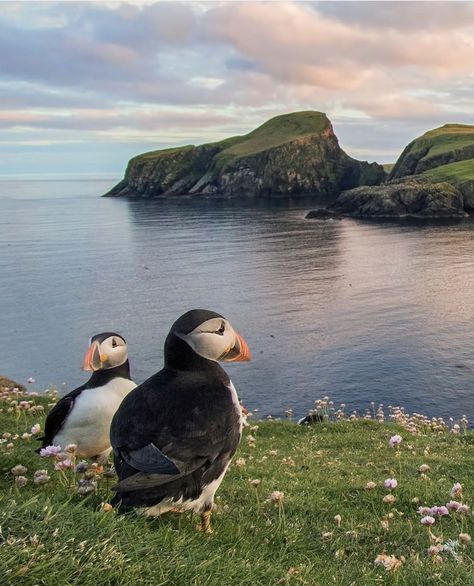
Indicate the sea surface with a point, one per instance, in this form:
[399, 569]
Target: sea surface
[361, 311]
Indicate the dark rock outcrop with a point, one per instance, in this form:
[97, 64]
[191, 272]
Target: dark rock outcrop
[8, 383]
[322, 214]
[418, 198]
[292, 154]
[433, 178]
[467, 190]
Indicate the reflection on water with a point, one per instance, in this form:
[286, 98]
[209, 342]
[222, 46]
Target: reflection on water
[362, 311]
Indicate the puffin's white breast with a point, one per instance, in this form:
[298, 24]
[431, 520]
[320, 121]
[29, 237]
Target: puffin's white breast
[88, 424]
[236, 402]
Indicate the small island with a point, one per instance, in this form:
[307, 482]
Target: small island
[433, 178]
[289, 155]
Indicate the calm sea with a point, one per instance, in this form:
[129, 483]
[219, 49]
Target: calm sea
[358, 310]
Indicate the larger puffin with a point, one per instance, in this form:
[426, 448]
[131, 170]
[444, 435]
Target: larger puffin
[83, 416]
[173, 437]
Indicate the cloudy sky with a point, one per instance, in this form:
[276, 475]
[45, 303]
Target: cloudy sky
[87, 85]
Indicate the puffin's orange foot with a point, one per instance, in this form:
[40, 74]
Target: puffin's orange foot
[176, 510]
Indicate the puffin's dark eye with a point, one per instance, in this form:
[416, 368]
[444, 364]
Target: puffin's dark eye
[114, 342]
[221, 330]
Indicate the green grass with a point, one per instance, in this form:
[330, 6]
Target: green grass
[275, 132]
[52, 536]
[152, 155]
[453, 172]
[444, 139]
[278, 131]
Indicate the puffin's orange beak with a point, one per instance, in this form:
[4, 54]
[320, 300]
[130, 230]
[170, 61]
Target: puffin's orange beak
[92, 358]
[239, 352]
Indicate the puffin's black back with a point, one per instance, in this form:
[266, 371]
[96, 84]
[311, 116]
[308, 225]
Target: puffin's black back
[187, 411]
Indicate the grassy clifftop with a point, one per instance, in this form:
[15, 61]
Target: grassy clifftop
[453, 172]
[274, 132]
[299, 506]
[427, 154]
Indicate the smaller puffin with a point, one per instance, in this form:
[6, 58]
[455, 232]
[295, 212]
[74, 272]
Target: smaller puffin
[83, 416]
[174, 436]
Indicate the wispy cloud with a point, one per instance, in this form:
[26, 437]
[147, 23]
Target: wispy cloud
[155, 72]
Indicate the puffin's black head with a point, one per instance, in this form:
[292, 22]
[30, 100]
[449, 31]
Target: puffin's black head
[106, 350]
[209, 335]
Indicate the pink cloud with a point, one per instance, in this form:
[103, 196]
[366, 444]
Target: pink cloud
[300, 45]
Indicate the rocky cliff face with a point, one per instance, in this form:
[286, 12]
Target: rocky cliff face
[293, 154]
[433, 178]
[410, 197]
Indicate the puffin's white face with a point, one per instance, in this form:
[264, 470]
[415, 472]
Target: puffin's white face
[108, 353]
[216, 339]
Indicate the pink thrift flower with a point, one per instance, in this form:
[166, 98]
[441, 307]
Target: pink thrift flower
[277, 497]
[456, 491]
[463, 509]
[50, 451]
[453, 505]
[63, 464]
[439, 511]
[428, 520]
[424, 511]
[41, 477]
[390, 483]
[21, 481]
[395, 441]
[36, 428]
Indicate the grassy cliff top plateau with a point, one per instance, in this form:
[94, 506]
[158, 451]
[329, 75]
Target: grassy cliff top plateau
[278, 131]
[349, 501]
[275, 132]
[442, 146]
[446, 138]
[453, 172]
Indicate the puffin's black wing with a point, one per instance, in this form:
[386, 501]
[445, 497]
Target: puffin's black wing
[57, 417]
[171, 425]
[149, 459]
[154, 468]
